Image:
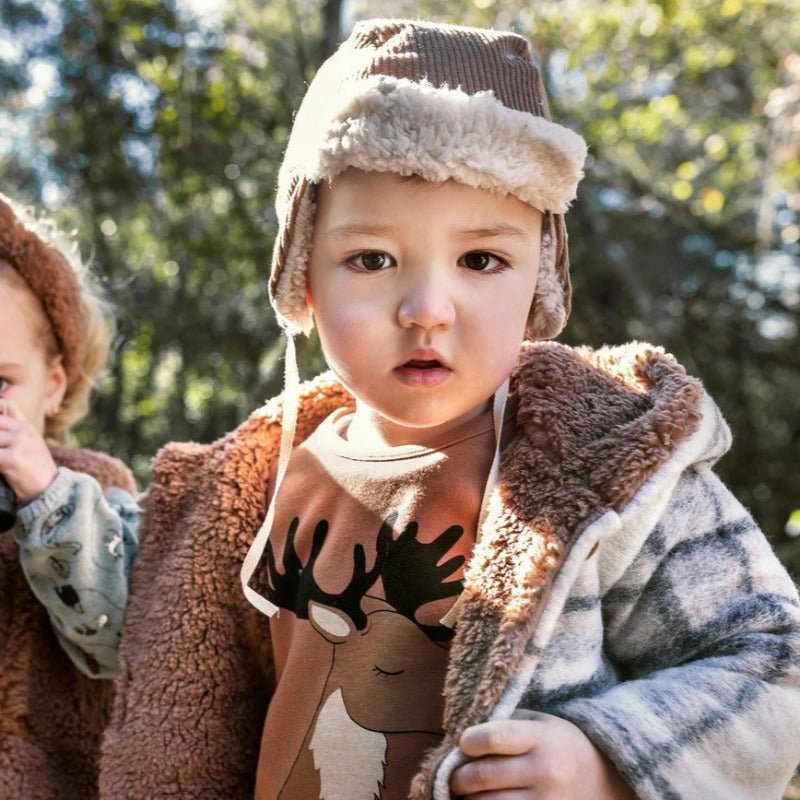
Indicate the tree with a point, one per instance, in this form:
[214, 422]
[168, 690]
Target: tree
[161, 133]
[163, 137]
[685, 232]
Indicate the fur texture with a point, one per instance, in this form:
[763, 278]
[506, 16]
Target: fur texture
[594, 536]
[413, 128]
[51, 277]
[439, 101]
[51, 716]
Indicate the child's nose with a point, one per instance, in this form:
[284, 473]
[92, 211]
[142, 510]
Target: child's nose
[426, 304]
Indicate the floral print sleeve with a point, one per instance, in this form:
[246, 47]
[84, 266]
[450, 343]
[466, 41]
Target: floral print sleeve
[77, 548]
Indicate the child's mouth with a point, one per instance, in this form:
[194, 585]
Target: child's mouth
[426, 373]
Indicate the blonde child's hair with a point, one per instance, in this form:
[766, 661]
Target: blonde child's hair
[97, 342]
[77, 317]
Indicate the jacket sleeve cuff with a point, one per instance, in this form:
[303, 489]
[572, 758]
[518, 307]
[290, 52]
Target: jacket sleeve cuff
[714, 735]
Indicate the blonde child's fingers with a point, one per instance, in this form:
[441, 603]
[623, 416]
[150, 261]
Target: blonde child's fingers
[6, 448]
[8, 408]
[8, 423]
[6, 453]
[13, 409]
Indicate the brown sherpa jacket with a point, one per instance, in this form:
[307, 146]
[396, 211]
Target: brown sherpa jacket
[51, 716]
[616, 583]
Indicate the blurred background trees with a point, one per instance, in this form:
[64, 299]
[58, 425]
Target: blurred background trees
[155, 130]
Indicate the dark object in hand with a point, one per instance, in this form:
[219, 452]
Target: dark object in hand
[8, 505]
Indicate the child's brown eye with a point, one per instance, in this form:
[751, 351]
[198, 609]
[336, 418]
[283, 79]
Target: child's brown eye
[372, 261]
[480, 261]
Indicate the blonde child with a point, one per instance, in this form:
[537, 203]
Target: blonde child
[66, 558]
[489, 567]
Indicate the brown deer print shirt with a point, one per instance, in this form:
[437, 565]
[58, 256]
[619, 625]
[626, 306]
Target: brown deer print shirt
[365, 557]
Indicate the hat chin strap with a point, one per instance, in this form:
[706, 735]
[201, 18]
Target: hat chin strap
[288, 428]
[498, 413]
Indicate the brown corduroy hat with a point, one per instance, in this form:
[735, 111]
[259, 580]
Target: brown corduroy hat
[30, 248]
[441, 102]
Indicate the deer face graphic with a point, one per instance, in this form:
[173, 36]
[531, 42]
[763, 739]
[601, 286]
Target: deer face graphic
[376, 694]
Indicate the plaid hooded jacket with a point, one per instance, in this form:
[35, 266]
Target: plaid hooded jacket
[616, 583]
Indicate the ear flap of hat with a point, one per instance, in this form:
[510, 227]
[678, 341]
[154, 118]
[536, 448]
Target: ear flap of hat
[553, 297]
[293, 244]
[441, 102]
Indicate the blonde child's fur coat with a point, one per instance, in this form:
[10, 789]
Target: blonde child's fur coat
[53, 716]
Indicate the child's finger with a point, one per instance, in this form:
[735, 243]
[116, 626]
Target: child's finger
[494, 773]
[8, 422]
[8, 440]
[505, 737]
[8, 408]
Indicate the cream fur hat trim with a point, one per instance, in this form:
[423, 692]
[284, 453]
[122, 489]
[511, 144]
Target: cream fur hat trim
[442, 102]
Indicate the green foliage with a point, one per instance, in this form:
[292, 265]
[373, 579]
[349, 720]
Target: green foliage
[164, 139]
[160, 137]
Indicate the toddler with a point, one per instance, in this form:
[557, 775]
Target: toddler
[484, 564]
[70, 521]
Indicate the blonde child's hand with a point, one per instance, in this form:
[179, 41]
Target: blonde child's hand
[541, 756]
[25, 459]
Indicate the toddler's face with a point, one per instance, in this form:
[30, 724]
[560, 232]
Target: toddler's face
[28, 377]
[420, 293]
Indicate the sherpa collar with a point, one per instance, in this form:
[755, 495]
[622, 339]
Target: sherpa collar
[592, 426]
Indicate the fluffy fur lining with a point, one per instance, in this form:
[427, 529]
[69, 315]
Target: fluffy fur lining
[51, 715]
[551, 300]
[31, 249]
[290, 261]
[409, 128]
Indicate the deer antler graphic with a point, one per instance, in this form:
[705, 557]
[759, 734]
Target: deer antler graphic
[297, 585]
[378, 695]
[410, 570]
[413, 577]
